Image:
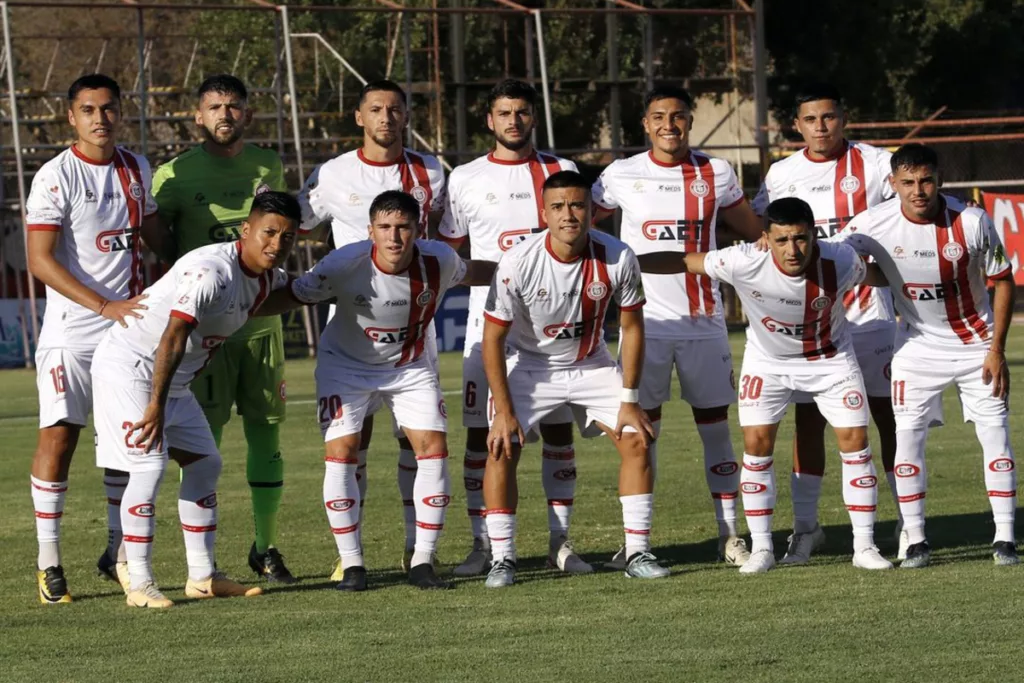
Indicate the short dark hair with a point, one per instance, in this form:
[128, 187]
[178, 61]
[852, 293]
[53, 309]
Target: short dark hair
[562, 179]
[788, 211]
[223, 84]
[669, 92]
[94, 82]
[395, 201]
[514, 90]
[277, 203]
[378, 86]
[813, 92]
[913, 155]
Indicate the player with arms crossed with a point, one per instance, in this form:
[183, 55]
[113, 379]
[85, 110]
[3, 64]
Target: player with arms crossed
[341, 191]
[495, 202]
[373, 352]
[936, 254]
[838, 179]
[671, 198]
[798, 340]
[145, 410]
[84, 215]
[548, 302]
[204, 196]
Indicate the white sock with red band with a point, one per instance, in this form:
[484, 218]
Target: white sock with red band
[757, 486]
[911, 480]
[722, 473]
[501, 529]
[197, 508]
[1000, 477]
[637, 514]
[860, 494]
[341, 500]
[558, 474]
[48, 501]
[114, 486]
[431, 494]
[138, 522]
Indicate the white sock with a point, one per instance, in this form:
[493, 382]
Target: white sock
[48, 501]
[197, 508]
[637, 513]
[558, 474]
[138, 520]
[652, 451]
[860, 493]
[757, 485]
[114, 486]
[806, 489]
[473, 466]
[362, 482]
[406, 483]
[911, 480]
[890, 477]
[341, 500]
[721, 472]
[431, 493]
[501, 529]
[1000, 478]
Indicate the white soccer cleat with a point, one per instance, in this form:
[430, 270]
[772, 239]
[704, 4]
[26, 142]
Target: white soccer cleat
[901, 554]
[148, 595]
[564, 557]
[477, 562]
[618, 561]
[733, 550]
[802, 545]
[218, 585]
[760, 562]
[870, 558]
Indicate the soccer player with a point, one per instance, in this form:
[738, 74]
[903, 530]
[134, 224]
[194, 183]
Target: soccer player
[145, 411]
[798, 341]
[204, 197]
[671, 198]
[838, 179]
[936, 253]
[373, 352]
[548, 302]
[342, 190]
[494, 202]
[84, 214]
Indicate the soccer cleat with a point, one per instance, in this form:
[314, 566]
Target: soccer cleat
[148, 596]
[270, 565]
[733, 550]
[217, 585]
[870, 558]
[563, 556]
[502, 574]
[336, 572]
[645, 566]
[918, 556]
[423, 577]
[114, 570]
[1004, 553]
[477, 562]
[618, 561]
[760, 562]
[53, 587]
[353, 580]
[802, 545]
[407, 559]
[901, 553]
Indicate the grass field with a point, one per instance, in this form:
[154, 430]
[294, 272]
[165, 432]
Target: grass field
[956, 621]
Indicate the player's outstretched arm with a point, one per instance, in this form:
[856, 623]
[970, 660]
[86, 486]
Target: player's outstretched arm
[671, 263]
[168, 357]
[279, 301]
[631, 353]
[478, 273]
[744, 221]
[45, 267]
[158, 238]
[994, 371]
[504, 425]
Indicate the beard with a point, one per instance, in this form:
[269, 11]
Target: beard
[384, 139]
[514, 145]
[223, 139]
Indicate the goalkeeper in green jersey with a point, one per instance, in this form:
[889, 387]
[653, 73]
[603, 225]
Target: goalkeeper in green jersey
[204, 195]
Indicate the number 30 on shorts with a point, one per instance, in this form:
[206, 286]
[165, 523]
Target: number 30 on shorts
[750, 387]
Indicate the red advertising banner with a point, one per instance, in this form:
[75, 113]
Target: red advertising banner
[1007, 212]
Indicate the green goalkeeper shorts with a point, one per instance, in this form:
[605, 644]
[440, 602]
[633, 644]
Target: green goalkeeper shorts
[248, 373]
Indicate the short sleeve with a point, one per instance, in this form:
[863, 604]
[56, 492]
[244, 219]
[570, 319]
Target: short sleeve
[147, 182]
[47, 204]
[278, 279]
[853, 235]
[992, 250]
[601, 191]
[762, 199]
[499, 306]
[316, 285]
[727, 186]
[275, 178]
[630, 293]
[453, 268]
[163, 194]
[568, 165]
[435, 173]
[197, 292]
[721, 263]
[856, 267]
[453, 224]
[311, 203]
[884, 167]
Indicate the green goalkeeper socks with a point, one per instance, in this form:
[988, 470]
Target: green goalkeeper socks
[265, 472]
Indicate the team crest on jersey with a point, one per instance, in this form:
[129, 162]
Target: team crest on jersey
[135, 190]
[952, 251]
[424, 298]
[820, 303]
[849, 184]
[419, 194]
[853, 400]
[597, 291]
[700, 187]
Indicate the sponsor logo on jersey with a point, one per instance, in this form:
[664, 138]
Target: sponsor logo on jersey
[340, 504]
[906, 470]
[821, 188]
[142, 510]
[597, 291]
[853, 400]
[867, 482]
[1001, 465]
[638, 187]
[821, 303]
[952, 251]
[360, 301]
[670, 187]
[700, 188]
[724, 469]
[564, 330]
[419, 194]
[756, 296]
[753, 487]
[784, 328]
[849, 184]
[90, 196]
[568, 474]
[490, 198]
[676, 230]
[438, 501]
[225, 232]
[830, 227]
[112, 241]
[918, 291]
[424, 297]
[515, 196]
[209, 502]
[397, 302]
[924, 253]
[511, 238]
[542, 294]
[897, 252]
[386, 335]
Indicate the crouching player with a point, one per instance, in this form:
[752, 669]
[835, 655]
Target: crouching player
[798, 342]
[552, 292]
[145, 412]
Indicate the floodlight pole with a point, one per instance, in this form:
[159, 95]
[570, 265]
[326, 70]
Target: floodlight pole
[761, 85]
[549, 124]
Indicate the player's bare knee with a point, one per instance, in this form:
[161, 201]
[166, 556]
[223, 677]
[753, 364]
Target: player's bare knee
[759, 440]
[54, 449]
[631, 448]
[851, 439]
[557, 435]
[343, 448]
[426, 443]
[476, 439]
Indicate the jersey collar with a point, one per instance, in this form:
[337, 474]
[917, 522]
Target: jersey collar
[373, 260]
[241, 263]
[362, 158]
[842, 151]
[547, 245]
[676, 164]
[940, 218]
[93, 162]
[507, 162]
[814, 259]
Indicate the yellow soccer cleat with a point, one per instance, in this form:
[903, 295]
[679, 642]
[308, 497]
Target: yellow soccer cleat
[53, 587]
[148, 596]
[336, 571]
[219, 586]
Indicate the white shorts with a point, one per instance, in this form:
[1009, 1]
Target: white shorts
[430, 355]
[345, 396]
[840, 396]
[64, 382]
[874, 356]
[704, 367]
[918, 380]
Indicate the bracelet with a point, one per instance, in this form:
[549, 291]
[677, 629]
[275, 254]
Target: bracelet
[102, 306]
[630, 395]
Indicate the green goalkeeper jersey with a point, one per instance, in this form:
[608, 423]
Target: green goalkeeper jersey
[205, 199]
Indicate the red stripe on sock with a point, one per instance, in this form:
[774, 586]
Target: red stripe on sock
[406, 468]
[860, 508]
[344, 529]
[49, 489]
[198, 529]
[638, 532]
[1002, 494]
[431, 527]
[408, 503]
[137, 539]
[475, 513]
[342, 461]
[725, 496]
[49, 515]
[910, 499]
[115, 484]
[114, 501]
[560, 501]
[433, 456]
[759, 513]
[758, 468]
[474, 464]
[500, 511]
[494, 538]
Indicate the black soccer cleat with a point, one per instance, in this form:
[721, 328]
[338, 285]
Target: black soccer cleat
[919, 555]
[353, 580]
[53, 587]
[270, 566]
[1004, 554]
[423, 577]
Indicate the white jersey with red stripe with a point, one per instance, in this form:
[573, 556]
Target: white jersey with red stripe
[342, 189]
[98, 209]
[936, 271]
[672, 208]
[557, 309]
[797, 323]
[838, 189]
[383, 318]
[496, 204]
[209, 288]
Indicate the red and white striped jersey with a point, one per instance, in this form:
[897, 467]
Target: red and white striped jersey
[382, 318]
[797, 324]
[672, 208]
[342, 189]
[98, 209]
[837, 190]
[936, 271]
[209, 288]
[557, 308]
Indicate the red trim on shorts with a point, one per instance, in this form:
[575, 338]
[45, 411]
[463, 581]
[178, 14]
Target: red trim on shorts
[43, 227]
[497, 321]
[429, 527]
[338, 530]
[137, 539]
[1001, 274]
[198, 529]
[184, 316]
[432, 456]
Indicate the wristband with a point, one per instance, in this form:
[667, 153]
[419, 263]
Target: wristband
[630, 395]
[102, 306]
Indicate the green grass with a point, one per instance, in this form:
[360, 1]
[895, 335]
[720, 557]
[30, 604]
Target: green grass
[958, 620]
